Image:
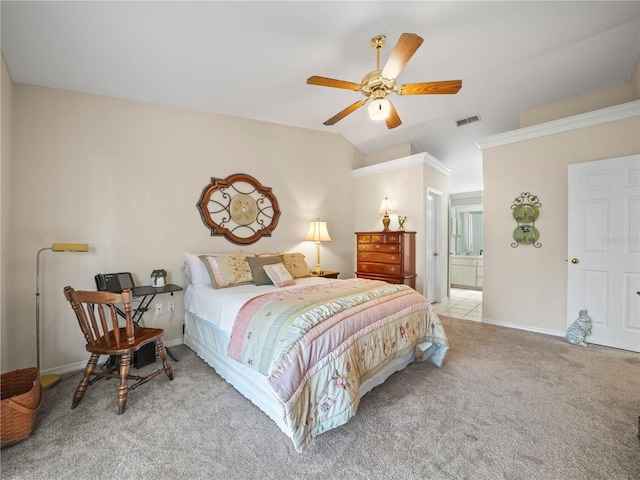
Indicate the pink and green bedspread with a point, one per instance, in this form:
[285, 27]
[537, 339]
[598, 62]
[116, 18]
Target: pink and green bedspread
[316, 345]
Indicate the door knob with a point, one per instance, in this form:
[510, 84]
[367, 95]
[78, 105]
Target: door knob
[435, 254]
[575, 260]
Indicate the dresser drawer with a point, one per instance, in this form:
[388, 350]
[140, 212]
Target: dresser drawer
[379, 247]
[394, 258]
[383, 268]
[389, 279]
[379, 238]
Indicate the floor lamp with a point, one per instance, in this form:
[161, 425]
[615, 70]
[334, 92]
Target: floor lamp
[48, 381]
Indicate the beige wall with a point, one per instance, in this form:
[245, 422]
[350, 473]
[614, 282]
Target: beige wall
[526, 286]
[6, 100]
[589, 102]
[399, 151]
[125, 177]
[405, 181]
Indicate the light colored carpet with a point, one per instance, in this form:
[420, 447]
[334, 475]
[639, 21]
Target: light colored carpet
[507, 404]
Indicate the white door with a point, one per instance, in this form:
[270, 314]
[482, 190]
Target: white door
[604, 249]
[432, 287]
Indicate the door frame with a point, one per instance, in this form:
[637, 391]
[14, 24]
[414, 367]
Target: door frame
[440, 249]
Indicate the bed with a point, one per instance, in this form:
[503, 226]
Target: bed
[304, 349]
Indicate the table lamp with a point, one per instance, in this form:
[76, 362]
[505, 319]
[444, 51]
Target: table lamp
[318, 233]
[385, 207]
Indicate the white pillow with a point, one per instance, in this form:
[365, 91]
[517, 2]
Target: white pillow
[279, 274]
[196, 270]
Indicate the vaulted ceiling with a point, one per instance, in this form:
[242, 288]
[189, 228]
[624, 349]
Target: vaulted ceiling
[252, 59]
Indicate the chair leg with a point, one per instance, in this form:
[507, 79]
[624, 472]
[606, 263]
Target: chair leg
[84, 382]
[163, 356]
[125, 365]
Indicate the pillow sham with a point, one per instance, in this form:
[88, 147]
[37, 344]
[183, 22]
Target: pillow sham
[296, 264]
[196, 270]
[256, 265]
[279, 274]
[228, 270]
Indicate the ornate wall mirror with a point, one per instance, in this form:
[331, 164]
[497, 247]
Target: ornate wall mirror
[239, 208]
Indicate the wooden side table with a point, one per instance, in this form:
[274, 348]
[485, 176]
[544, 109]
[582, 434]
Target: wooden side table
[327, 274]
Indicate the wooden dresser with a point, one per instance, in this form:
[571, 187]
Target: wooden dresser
[388, 256]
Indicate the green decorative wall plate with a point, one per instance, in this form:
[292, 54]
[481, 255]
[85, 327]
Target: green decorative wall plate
[526, 213]
[526, 234]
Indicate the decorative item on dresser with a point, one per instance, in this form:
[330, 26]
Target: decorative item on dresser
[390, 257]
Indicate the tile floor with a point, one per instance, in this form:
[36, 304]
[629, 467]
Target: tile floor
[465, 304]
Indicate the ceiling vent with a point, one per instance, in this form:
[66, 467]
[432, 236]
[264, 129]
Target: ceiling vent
[468, 120]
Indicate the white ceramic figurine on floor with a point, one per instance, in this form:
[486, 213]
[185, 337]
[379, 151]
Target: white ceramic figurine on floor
[579, 330]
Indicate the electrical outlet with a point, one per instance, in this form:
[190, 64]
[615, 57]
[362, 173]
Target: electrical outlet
[158, 308]
[171, 306]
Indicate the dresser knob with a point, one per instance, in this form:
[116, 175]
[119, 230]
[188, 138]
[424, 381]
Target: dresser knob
[392, 269]
[393, 257]
[363, 256]
[377, 246]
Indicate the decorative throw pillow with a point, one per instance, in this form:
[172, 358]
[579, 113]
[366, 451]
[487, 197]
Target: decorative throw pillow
[296, 264]
[279, 275]
[260, 277]
[228, 270]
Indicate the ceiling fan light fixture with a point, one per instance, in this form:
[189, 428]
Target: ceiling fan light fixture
[379, 109]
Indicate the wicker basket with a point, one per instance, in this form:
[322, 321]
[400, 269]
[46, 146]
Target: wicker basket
[22, 395]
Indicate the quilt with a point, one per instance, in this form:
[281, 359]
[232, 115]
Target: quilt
[316, 344]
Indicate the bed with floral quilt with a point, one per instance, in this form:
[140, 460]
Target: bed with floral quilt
[306, 349]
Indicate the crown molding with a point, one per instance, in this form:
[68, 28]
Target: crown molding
[596, 117]
[417, 159]
[477, 193]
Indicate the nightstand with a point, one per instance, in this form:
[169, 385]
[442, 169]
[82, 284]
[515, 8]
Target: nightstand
[327, 274]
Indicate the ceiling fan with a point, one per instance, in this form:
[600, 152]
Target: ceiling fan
[378, 84]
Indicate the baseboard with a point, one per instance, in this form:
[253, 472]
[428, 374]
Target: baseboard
[528, 328]
[174, 342]
[74, 367]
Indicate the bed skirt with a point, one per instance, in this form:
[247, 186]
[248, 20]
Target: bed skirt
[210, 343]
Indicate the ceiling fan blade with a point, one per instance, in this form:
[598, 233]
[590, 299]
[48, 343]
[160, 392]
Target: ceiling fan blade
[430, 88]
[350, 109]
[393, 120]
[332, 82]
[401, 54]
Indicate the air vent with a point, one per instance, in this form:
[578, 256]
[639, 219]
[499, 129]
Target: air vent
[468, 120]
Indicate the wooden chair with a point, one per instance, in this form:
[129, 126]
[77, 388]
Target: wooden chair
[98, 320]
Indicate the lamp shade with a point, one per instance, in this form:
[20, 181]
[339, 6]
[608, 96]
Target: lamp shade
[379, 109]
[385, 206]
[70, 247]
[318, 232]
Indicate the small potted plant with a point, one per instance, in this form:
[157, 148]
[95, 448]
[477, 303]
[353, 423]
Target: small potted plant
[159, 277]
